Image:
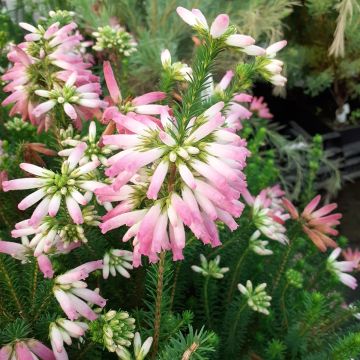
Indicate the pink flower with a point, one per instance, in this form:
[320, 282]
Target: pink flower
[72, 294]
[340, 269]
[317, 224]
[261, 108]
[139, 107]
[53, 188]
[62, 330]
[26, 350]
[196, 197]
[352, 255]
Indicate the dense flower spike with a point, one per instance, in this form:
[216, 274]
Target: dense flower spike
[53, 188]
[257, 299]
[340, 269]
[317, 224]
[53, 52]
[114, 330]
[180, 174]
[26, 350]
[62, 330]
[211, 268]
[114, 39]
[72, 294]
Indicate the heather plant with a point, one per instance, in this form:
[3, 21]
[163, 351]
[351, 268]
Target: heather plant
[174, 194]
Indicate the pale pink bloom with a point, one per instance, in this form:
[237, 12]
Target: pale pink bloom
[62, 330]
[254, 50]
[261, 108]
[192, 18]
[317, 224]
[73, 295]
[45, 266]
[26, 350]
[340, 269]
[141, 105]
[219, 26]
[352, 255]
[274, 48]
[238, 40]
[67, 190]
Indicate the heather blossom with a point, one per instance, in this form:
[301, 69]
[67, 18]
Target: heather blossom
[116, 260]
[178, 70]
[210, 268]
[341, 268]
[54, 54]
[257, 298]
[352, 255]
[26, 349]
[69, 186]
[260, 107]
[196, 194]
[257, 245]
[62, 330]
[136, 108]
[267, 215]
[317, 224]
[72, 293]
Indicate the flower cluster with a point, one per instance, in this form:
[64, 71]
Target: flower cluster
[177, 172]
[211, 268]
[71, 293]
[257, 299]
[140, 349]
[48, 64]
[317, 224]
[257, 245]
[73, 185]
[25, 350]
[340, 269]
[260, 108]
[114, 39]
[114, 330]
[62, 330]
[268, 214]
[294, 278]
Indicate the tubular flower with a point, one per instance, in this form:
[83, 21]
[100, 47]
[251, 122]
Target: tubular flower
[24, 252]
[352, 255]
[55, 235]
[210, 268]
[267, 215]
[178, 70]
[317, 224]
[260, 107]
[71, 293]
[257, 245]
[179, 177]
[53, 188]
[219, 28]
[138, 107]
[62, 330]
[117, 260]
[53, 52]
[140, 349]
[93, 152]
[340, 269]
[26, 350]
[257, 299]
[77, 102]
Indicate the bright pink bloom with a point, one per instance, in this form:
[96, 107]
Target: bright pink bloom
[45, 266]
[199, 194]
[260, 107]
[26, 350]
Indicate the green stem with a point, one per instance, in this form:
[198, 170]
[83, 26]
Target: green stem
[34, 284]
[172, 297]
[11, 288]
[237, 318]
[159, 291]
[206, 301]
[282, 304]
[282, 267]
[236, 274]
